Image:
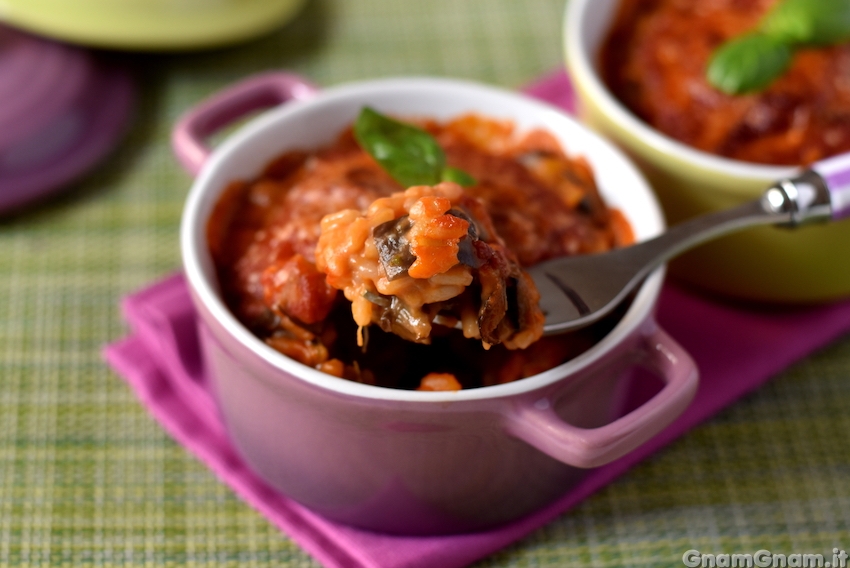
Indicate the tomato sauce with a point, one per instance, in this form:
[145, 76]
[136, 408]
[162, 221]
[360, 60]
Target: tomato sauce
[654, 61]
[263, 236]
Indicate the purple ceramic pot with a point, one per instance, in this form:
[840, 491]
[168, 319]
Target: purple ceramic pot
[402, 461]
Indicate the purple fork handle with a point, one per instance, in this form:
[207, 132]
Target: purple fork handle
[835, 172]
[538, 425]
[254, 93]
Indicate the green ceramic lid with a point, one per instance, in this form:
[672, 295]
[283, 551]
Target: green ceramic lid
[149, 24]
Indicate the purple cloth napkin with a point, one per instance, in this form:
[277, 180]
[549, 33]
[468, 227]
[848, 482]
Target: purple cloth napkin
[737, 349]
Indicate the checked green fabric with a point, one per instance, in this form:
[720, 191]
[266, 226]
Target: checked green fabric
[88, 479]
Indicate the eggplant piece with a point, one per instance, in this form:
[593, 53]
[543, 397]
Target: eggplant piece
[508, 297]
[393, 246]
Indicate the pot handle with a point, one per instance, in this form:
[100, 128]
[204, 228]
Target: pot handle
[537, 424]
[257, 92]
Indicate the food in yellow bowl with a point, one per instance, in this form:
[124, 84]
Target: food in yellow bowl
[655, 61]
[706, 150]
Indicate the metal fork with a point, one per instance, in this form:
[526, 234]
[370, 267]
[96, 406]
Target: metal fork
[577, 291]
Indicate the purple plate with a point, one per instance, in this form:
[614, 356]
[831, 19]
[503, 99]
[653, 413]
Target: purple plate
[61, 112]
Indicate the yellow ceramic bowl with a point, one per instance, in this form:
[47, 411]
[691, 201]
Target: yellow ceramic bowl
[804, 265]
[149, 24]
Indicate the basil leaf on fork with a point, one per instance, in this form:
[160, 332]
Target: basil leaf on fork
[409, 154]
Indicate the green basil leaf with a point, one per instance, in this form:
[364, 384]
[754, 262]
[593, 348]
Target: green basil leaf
[748, 63]
[409, 154]
[816, 22]
[458, 176]
[752, 62]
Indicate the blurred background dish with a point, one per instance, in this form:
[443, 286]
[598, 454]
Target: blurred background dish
[766, 263]
[149, 24]
[61, 111]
